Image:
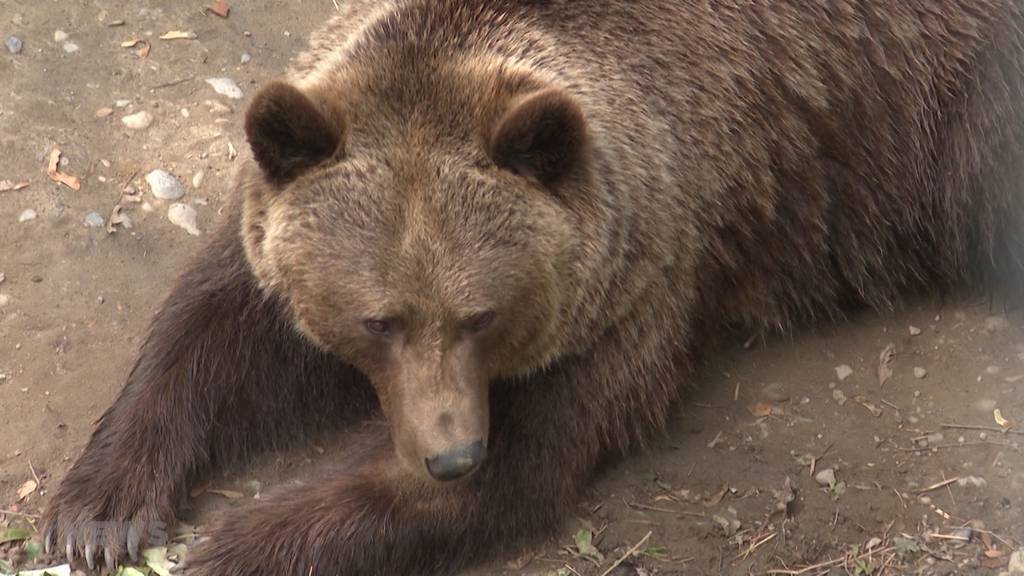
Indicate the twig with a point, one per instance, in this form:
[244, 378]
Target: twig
[957, 445]
[22, 514]
[639, 506]
[756, 545]
[981, 428]
[830, 563]
[173, 83]
[814, 459]
[938, 536]
[628, 553]
[34, 475]
[900, 496]
[938, 485]
[950, 490]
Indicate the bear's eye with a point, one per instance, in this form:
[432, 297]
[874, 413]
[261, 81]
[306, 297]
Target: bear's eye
[378, 327]
[480, 322]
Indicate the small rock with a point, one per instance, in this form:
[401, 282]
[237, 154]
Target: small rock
[28, 214]
[60, 36]
[915, 331]
[122, 103]
[843, 371]
[13, 44]
[920, 372]
[996, 324]
[94, 220]
[197, 179]
[104, 112]
[183, 216]
[1016, 565]
[826, 477]
[972, 482]
[226, 87]
[5, 299]
[164, 185]
[774, 393]
[70, 47]
[246, 58]
[839, 397]
[992, 370]
[138, 121]
[217, 107]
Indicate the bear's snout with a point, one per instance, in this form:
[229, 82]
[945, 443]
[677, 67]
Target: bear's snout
[456, 463]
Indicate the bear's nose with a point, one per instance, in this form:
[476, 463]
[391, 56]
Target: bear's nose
[456, 463]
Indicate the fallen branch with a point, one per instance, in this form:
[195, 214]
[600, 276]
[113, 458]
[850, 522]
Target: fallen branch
[628, 553]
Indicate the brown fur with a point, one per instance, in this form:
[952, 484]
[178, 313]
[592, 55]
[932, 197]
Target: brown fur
[616, 181]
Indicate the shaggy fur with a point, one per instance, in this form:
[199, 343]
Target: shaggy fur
[616, 181]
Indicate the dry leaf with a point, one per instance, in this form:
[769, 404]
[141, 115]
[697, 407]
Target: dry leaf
[27, 488]
[58, 176]
[178, 35]
[875, 410]
[998, 415]
[229, 494]
[760, 410]
[117, 219]
[884, 361]
[717, 497]
[995, 563]
[219, 8]
[143, 50]
[994, 553]
[8, 186]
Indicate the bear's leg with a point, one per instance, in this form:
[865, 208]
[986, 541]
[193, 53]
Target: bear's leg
[221, 374]
[548, 436]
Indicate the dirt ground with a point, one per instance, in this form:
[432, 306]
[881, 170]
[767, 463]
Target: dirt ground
[775, 463]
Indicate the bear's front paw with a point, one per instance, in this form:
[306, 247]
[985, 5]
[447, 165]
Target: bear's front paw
[346, 526]
[106, 513]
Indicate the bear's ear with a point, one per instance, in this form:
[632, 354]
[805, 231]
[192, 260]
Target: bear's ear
[289, 133]
[542, 136]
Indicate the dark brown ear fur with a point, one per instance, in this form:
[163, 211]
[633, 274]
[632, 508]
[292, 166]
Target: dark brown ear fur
[289, 132]
[541, 136]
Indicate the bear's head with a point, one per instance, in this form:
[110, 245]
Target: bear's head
[427, 234]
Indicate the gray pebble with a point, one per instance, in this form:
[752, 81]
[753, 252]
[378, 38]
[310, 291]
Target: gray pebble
[70, 47]
[94, 220]
[183, 216]
[164, 185]
[27, 215]
[843, 371]
[996, 324]
[226, 87]
[839, 397]
[13, 44]
[826, 477]
[246, 58]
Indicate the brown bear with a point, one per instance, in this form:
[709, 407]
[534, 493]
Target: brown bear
[510, 228]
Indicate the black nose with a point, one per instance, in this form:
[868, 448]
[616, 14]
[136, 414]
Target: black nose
[456, 463]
